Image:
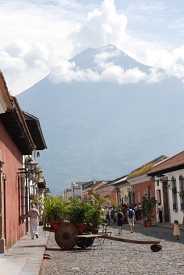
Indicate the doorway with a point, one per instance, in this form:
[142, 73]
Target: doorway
[166, 216]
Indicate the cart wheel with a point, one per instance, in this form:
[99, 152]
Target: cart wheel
[85, 242]
[65, 235]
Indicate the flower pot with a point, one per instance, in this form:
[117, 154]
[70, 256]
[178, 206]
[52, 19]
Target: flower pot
[144, 223]
[80, 227]
[94, 230]
[149, 224]
[54, 224]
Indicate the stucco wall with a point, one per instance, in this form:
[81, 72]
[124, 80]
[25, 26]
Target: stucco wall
[11, 156]
[174, 214]
[141, 189]
[105, 191]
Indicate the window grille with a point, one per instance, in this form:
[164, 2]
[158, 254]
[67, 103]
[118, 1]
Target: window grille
[181, 192]
[174, 193]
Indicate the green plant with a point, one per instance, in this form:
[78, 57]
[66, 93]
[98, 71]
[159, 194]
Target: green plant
[174, 190]
[77, 210]
[38, 171]
[100, 199]
[181, 194]
[142, 170]
[148, 207]
[28, 159]
[55, 209]
[94, 215]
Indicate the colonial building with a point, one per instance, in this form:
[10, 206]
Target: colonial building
[168, 176]
[142, 184]
[16, 140]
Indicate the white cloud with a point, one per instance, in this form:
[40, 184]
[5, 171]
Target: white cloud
[103, 26]
[38, 37]
[106, 55]
[104, 69]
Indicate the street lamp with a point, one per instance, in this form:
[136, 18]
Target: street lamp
[31, 166]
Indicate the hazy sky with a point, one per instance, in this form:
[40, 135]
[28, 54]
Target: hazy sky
[37, 36]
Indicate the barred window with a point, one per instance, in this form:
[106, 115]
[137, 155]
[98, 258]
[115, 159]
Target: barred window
[181, 191]
[174, 193]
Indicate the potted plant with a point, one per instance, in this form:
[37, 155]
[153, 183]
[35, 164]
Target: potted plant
[94, 217]
[181, 194]
[174, 190]
[147, 209]
[38, 172]
[55, 210]
[77, 213]
[27, 159]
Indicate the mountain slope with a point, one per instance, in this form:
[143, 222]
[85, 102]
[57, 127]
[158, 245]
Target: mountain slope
[104, 130]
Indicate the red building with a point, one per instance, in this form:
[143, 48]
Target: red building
[15, 141]
[142, 184]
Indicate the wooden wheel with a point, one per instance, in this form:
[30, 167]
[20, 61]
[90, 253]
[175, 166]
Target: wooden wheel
[65, 235]
[85, 242]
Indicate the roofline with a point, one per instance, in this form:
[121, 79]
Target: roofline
[38, 125]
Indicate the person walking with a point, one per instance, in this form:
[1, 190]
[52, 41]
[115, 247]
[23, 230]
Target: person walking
[160, 210]
[130, 216]
[106, 211]
[112, 214]
[34, 218]
[176, 229]
[139, 210]
[120, 221]
[136, 209]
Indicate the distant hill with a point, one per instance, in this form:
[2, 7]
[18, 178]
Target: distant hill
[104, 130]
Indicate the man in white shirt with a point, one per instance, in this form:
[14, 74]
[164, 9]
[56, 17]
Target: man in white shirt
[34, 216]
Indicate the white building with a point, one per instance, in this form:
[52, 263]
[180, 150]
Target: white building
[169, 186]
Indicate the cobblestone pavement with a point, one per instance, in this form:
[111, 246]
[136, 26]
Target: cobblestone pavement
[114, 257]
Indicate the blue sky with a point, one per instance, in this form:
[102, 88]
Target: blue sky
[38, 36]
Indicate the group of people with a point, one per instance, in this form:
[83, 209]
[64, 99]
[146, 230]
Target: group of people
[110, 214]
[132, 215]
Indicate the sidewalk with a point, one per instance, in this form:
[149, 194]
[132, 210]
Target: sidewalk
[24, 257]
[167, 224]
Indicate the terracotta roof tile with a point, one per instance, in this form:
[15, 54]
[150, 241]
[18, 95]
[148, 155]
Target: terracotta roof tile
[173, 163]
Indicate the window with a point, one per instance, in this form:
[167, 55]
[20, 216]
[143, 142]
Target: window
[181, 192]
[174, 193]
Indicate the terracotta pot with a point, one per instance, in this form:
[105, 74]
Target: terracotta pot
[94, 230]
[144, 223]
[80, 227]
[54, 224]
[149, 224]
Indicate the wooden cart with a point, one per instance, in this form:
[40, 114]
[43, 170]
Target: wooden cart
[67, 237]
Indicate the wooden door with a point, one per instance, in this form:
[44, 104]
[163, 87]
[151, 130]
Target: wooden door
[166, 212]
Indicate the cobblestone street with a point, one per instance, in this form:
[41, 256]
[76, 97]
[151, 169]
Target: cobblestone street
[114, 257]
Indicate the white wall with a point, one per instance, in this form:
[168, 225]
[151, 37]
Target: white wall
[178, 214]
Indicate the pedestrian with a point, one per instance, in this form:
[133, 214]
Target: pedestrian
[176, 229]
[109, 215]
[112, 213]
[120, 221]
[136, 211]
[160, 210]
[34, 217]
[106, 211]
[130, 217]
[114, 218]
[139, 210]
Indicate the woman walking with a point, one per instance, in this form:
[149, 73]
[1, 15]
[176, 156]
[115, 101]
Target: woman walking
[120, 221]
